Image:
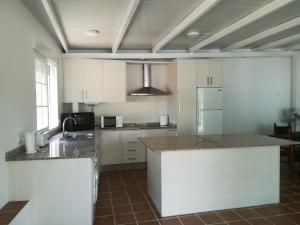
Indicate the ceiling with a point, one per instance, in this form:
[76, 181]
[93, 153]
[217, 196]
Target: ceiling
[152, 20]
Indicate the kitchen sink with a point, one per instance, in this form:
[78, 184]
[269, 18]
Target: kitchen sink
[77, 137]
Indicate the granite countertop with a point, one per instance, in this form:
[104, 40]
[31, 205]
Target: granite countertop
[58, 149]
[181, 143]
[138, 126]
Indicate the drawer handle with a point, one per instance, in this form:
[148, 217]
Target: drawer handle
[131, 142]
[131, 158]
[134, 150]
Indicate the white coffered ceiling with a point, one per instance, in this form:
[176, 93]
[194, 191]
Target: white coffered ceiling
[151, 20]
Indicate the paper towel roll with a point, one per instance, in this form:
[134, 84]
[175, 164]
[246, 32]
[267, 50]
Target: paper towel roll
[30, 142]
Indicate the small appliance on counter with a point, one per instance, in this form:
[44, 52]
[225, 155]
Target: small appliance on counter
[84, 121]
[30, 142]
[164, 120]
[111, 121]
[42, 138]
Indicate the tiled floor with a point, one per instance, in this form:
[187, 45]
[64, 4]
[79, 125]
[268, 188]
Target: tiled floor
[124, 200]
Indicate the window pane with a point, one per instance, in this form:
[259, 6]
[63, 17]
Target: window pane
[38, 94]
[44, 75]
[45, 117]
[38, 76]
[44, 100]
[39, 118]
[53, 97]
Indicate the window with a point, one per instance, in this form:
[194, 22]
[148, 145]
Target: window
[46, 95]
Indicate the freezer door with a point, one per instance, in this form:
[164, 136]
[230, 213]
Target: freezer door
[210, 122]
[209, 98]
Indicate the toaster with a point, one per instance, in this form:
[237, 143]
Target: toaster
[42, 138]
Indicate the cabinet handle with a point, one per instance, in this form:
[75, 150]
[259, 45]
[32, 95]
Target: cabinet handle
[133, 150]
[211, 82]
[131, 142]
[179, 95]
[207, 80]
[179, 108]
[82, 97]
[131, 158]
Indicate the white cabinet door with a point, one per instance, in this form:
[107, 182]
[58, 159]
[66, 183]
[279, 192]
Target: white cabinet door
[186, 79]
[172, 133]
[186, 117]
[111, 147]
[215, 68]
[203, 73]
[114, 81]
[92, 73]
[73, 80]
[209, 73]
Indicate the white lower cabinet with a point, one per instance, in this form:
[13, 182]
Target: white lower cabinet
[111, 148]
[131, 146]
[119, 147]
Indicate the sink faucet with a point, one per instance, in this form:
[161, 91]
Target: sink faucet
[64, 122]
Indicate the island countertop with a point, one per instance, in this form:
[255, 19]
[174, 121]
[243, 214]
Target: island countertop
[57, 149]
[196, 142]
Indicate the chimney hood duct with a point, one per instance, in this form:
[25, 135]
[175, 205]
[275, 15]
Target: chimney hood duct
[147, 90]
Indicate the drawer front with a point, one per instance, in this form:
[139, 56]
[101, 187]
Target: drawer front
[131, 158]
[131, 150]
[131, 134]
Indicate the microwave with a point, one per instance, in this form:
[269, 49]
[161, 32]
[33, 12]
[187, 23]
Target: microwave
[111, 121]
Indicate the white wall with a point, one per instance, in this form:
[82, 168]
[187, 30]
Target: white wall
[256, 91]
[20, 33]
[140, 108]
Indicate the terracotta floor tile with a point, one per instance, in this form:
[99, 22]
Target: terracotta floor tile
[145, 216]
[138, 207]
[210, 218]
[287, 199]
[259, 221]
[294, 189]
[246, 213]
[107, 211]
[191, 220]
[118, 195]
[149, 223]
[294, 197]
[125, 218]
[229, 216]
[265, 211]
[138, 199]
[109, 220]
[122, 209]
[7, 216]
[120, 201]
[281, 209]
[103, 203]
[105, 195]
[280, 220]
[172, 221]
[294, 217]
[294, 206]
[240, 222]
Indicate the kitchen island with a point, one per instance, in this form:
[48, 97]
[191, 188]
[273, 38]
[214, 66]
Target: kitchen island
[190, 174]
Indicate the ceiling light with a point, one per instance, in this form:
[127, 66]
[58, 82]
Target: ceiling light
[92, 32]
[193, 34]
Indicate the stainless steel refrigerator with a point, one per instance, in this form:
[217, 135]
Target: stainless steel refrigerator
[209, 111]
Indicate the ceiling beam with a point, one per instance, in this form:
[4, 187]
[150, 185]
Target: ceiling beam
[267, 33]
[293, 47]
[278, 43]
[263, 11]
[131, 8]
[200, 11]
[54, 21]
[179, 55]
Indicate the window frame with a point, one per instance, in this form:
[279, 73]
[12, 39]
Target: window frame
[48, 63]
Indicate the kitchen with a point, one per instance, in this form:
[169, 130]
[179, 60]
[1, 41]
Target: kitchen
[97, 59]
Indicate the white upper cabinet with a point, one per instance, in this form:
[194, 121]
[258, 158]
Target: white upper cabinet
[92, 70]
[209, 73]
[94, 80]
[114, 81]
[186, 79]
[73, 80]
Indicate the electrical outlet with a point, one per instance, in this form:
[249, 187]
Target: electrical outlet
[20, 139]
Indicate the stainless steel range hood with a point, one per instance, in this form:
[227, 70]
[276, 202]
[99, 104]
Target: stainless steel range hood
[147, 90]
